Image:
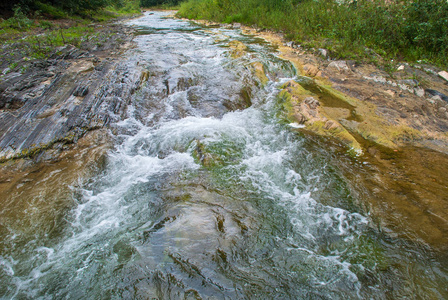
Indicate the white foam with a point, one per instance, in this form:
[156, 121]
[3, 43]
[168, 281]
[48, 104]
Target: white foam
[296, 125]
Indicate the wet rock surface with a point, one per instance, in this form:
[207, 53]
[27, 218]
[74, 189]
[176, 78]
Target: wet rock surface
[201, 200]
[403, 103]
[399, 118]
[58, 100]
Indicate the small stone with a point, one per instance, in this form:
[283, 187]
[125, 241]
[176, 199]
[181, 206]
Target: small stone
[311, 102]
[444, 75]
[419, 92]
[81, 91]
[323, 52]
[442, 110]
[341, 65]
[310, 70]
[300, 118]
[400, 68]
[390, 92]
[330, 125]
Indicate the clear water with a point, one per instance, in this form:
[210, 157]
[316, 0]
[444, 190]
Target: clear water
[199, 201]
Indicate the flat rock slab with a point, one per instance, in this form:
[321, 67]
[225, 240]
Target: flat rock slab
[444, 75]
[67, 105]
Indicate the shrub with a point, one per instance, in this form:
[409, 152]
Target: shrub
[20, 20]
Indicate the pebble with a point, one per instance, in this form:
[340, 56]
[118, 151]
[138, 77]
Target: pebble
[419, 92]
[323, 52]
[340, 65]
[390, 92]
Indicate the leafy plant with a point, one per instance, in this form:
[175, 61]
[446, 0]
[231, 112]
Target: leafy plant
[20, 20]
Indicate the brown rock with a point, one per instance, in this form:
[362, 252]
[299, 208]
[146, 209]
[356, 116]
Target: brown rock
[311, 70]
[312, 102]
[330, 125]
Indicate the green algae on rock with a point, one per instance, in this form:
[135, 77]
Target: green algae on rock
[328, 112]
[303, 108]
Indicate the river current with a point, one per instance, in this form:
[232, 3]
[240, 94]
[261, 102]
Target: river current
[209, 194]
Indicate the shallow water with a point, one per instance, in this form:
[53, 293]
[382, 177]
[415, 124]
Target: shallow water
[206, 194]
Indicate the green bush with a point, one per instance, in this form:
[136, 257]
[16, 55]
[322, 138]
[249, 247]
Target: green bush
[150, 3]
[20, 20]
[51, 10]
[427, 25]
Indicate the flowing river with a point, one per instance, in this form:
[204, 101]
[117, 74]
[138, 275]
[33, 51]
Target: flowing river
[207, 194]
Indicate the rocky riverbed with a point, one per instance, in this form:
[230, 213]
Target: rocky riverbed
[177, 160]
[397, 122]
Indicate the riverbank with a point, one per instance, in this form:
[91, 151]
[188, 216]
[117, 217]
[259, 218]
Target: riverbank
[378, 31]
[392, 110]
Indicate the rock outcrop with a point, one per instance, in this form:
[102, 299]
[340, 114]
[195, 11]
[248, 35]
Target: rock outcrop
[56, 101]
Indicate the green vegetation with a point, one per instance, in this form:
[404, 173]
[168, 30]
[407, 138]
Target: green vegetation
[37, 28]
[159, 3]
[56, 9]
[359, 29]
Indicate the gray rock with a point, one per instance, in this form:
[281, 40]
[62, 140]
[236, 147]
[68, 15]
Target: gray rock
[312, 102]
[410, 82]
[435, 93]
[57, 116]
[81, 91]
[419, 92]
[340, 65]
[323, 52]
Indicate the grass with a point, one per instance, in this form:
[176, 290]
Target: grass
[362, 30]
[42, 38]
[37, 35]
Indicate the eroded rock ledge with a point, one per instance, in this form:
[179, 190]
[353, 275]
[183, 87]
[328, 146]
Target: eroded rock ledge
[57, 101]
[405, 106]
